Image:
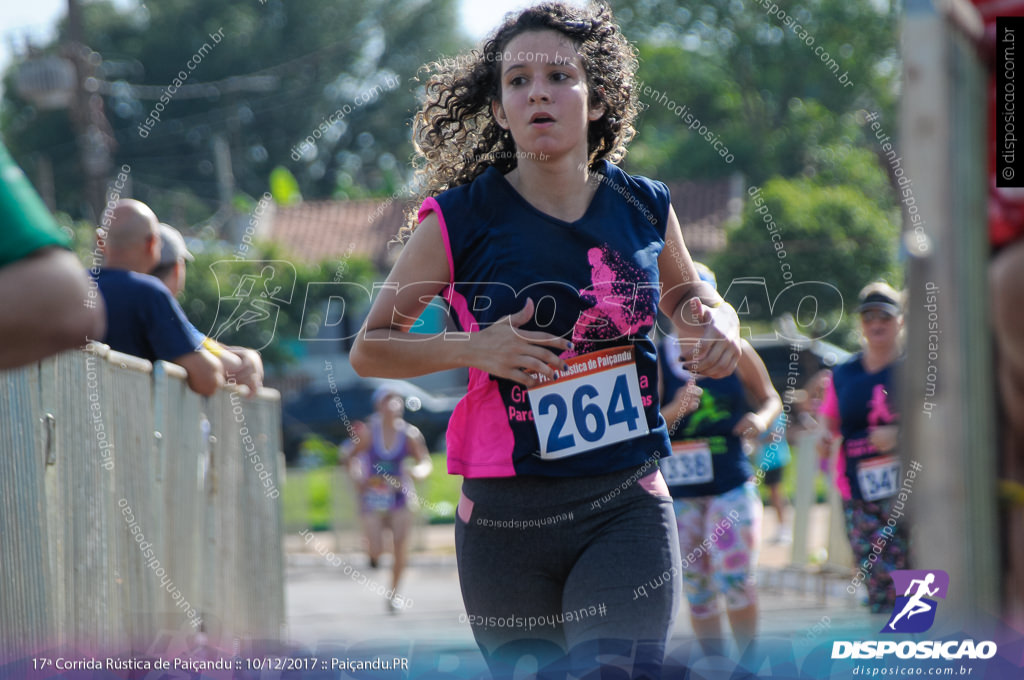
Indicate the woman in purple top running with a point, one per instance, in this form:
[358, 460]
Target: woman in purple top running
[375, 464]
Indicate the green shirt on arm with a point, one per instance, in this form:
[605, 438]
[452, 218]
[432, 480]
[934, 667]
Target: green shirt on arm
[25, 223]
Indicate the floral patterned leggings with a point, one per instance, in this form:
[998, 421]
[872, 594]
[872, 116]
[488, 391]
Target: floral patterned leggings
[879, 546]
[719, 538]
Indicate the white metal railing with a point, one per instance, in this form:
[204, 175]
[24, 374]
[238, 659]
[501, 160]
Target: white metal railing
[131, 506]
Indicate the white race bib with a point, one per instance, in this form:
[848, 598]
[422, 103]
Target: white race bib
[377, 500]
[595, 403]
[690, 463]
[878, 477]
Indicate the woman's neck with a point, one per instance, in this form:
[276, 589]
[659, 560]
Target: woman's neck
[562, 188]
[875, 359]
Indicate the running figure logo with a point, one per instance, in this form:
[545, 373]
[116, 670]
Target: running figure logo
[254, 301]
[914, 611]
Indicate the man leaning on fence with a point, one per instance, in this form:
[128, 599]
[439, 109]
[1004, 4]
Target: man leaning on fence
[143, 318]
[242, 366]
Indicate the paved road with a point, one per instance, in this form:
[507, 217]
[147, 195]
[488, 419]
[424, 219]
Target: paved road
[334, 600]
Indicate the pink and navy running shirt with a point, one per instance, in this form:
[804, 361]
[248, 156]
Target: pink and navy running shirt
[594, 281]
[862, 401]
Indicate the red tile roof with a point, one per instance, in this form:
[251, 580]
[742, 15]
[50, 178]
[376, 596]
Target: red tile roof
[318, 230]
[703, 208]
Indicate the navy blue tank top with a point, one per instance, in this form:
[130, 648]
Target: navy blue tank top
[705, 434]
[594, 281]
[866, 400]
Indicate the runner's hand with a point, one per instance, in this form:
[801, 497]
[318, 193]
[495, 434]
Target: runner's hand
[718, 350]
[885, 437]
[357, 471]
[506, 351]
[750, 426]
[824, 445]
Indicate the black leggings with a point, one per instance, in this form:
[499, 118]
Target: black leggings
[549, 569]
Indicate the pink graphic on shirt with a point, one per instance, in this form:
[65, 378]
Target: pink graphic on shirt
[619, 308]
[879, 413]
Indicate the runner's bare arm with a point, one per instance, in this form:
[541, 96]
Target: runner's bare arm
[420, 453]
[386, 348]
[754, 376]
[696, 309]
[829, 436]
[676, 406]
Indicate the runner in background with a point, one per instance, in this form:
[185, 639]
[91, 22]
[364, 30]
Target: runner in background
[773, 455]
[718, 510]
[375, 464]
[859, 408]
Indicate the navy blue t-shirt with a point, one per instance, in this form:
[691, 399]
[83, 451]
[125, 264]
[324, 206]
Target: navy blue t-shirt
[706, 433]
[866, 401]
[143, 318]
[594, 281]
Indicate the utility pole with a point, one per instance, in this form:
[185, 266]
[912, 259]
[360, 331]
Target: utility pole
[952, 432]
[94, 135]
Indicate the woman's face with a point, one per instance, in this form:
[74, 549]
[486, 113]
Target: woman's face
[544, 96]
[880, 328]
[392, 404]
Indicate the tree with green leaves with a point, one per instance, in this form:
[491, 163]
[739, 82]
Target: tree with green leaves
[771, 88]
[784, 91]
[279, 71]
[815, 245]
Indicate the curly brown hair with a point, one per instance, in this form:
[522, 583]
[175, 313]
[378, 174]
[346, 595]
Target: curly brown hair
[455, 134]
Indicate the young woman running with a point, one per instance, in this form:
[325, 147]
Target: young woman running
[718, 509]
[554, 263]
[375, 465]
[860, 409]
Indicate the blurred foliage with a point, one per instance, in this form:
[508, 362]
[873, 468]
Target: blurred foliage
[306, 500]
[755, 83]
[793, 126]
[827, 232]
[316, 451]
[283, 187]
[297, 311]
[324, 55]
[793, 123]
